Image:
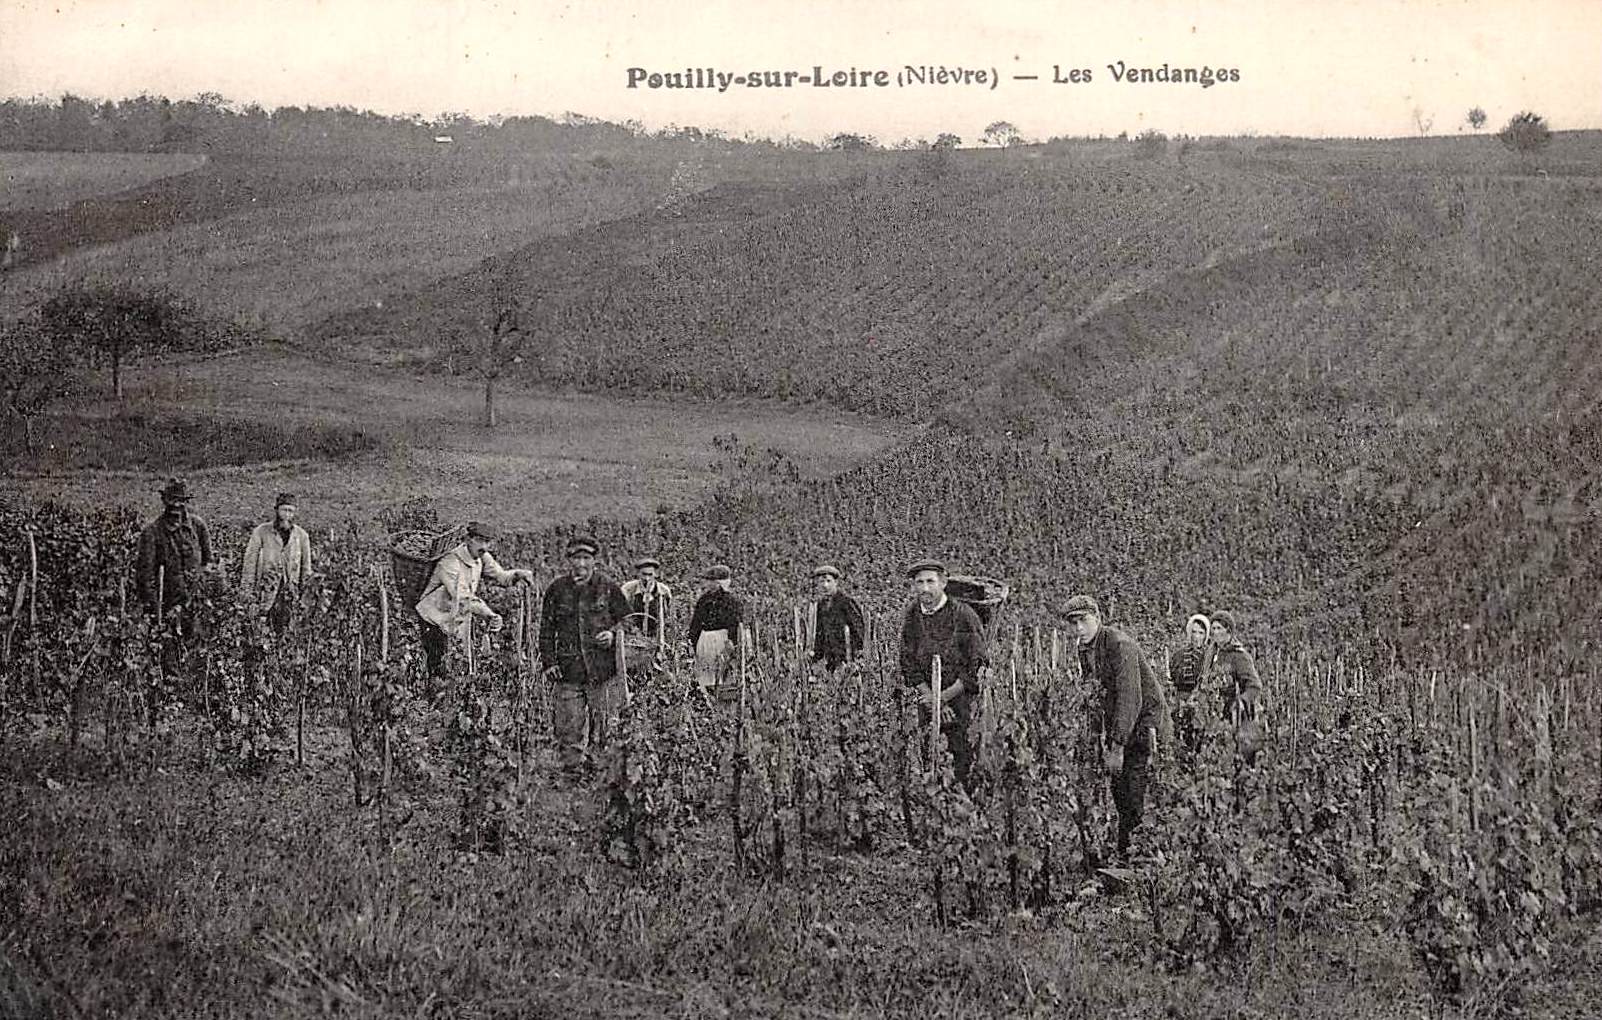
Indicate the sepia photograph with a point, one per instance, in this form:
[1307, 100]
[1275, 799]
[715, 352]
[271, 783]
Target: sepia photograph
[1036, 508]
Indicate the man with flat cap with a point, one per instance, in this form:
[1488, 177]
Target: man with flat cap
[715, 632]
[173, 550]
[581, 622]
[1133, 709]
[937, 624]
[277, 559]
[650, 599]
[837, 627]
[450, 598]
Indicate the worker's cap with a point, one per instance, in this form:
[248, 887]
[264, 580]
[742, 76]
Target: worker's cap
[582, 544]
[1226, 618]
[914, 569]
[284, 499]
[480, 529]
[825, 570]
[1080, 605]
[176, 491]
[717, 572]
[647, 561]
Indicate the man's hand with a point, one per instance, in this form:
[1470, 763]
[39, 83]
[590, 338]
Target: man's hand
[605, 638]
[552, 673]
[947, 716]
[495, 624]
[1113, 757]
[523, 576]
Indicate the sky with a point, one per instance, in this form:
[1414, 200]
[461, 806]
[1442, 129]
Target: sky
[1305, 67]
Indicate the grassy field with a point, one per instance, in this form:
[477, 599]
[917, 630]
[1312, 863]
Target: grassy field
[351, 440]
[46, 181]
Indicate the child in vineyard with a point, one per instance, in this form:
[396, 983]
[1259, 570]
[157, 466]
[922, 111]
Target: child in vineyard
[581, 622]
[715, 632]
[1134, 714]
[936, 624]
[1233, 675]
[450, 598]
[1187, 669]
[837, 627]
[277, 559]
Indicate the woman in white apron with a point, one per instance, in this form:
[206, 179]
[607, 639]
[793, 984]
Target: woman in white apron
[715, 632]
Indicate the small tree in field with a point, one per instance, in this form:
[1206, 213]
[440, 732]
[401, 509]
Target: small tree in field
[947, 141]
[1476, 118]
[1001, 134]
[114, 321]
[1525, 133]
[35, 372]
[497, 344]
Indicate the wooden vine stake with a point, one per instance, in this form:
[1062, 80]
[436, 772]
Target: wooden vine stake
[383, 617]
[33, 583]
[934, 716]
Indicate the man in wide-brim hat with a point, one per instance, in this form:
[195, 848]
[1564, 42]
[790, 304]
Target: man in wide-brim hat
[277, 560]
[450, 599]
[173, 551]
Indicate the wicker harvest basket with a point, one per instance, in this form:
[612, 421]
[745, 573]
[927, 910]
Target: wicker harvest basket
[412, 555]
[639, 650]
[984, 594]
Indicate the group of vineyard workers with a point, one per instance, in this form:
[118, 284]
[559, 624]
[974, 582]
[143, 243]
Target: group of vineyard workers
[585, 615]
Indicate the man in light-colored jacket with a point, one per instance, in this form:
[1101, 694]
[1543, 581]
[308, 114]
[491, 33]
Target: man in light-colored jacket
[277, 561]
[450, 598]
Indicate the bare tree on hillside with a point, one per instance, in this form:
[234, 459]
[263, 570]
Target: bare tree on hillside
[114, 321]
[1476, 118]
[496, 344]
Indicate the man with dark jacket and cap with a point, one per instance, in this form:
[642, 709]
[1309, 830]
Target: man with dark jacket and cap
[837, 627]
[173, 550]
[1133, 710]
[581, 626]
[715, 632]
[937, 625]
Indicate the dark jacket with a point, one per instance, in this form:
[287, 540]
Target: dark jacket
[571, 616]
[1187, 668]
[717, 610]
[1132, 701]
[952, 632]
[837, 613]
[1234, 676]
[172, 551]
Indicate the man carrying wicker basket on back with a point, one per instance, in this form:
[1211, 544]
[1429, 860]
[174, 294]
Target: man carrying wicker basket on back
[450, 598]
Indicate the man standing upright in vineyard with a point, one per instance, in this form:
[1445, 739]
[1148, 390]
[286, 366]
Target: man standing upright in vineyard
[277, 559]
[936, 624]
[1133, 710]
[650, 599]
[173, 550]
[837, 627]
[581, 622]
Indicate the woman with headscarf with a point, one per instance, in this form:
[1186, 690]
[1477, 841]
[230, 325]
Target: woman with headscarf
[1187, 668]
[715, 632]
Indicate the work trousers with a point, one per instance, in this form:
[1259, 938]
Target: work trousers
[436, 643]
[956, 734]
[1129, 791]
[582, 716]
